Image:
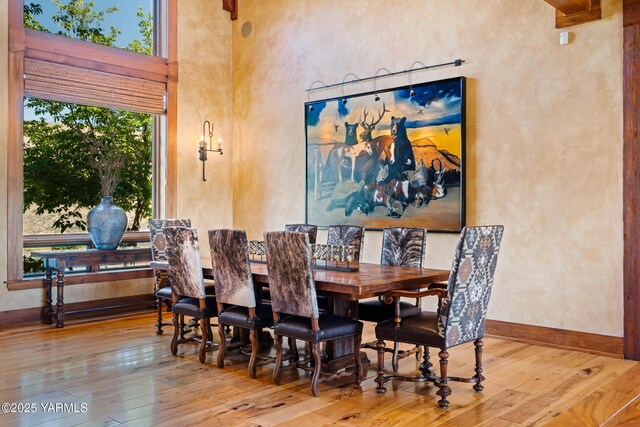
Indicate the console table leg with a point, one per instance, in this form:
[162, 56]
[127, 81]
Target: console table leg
[47, 310]
[60, 304]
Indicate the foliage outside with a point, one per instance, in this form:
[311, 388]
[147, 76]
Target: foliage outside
[74, 154]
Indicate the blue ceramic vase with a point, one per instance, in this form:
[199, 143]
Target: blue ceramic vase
[107, 224]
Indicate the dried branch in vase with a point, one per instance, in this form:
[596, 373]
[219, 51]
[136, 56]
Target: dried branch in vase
[108, 161]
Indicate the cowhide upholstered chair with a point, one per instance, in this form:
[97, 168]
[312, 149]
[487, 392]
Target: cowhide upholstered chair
[347, 235]
[295, 309]
[187, 287]
[311, 230]
[401, 246]
[235, 293]
[461, 313]
[162, 289]
[343, 235]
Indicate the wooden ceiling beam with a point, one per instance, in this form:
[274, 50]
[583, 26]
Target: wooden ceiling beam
[631, 12]
[574, 12]
[569, 7]
[231, 6]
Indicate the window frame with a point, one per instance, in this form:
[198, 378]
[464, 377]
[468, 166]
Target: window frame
[28, 43]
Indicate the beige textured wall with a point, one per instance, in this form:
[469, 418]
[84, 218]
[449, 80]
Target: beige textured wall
[544, 138]
[204, 93]
[3, 147]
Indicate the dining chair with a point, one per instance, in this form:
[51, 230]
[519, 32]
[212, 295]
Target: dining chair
[405, 247]
[311, 230]
[347, 235]
[187, 287]
[162, 288]
[295, 309]
[235, 293]
[460, 317]
[343, 235]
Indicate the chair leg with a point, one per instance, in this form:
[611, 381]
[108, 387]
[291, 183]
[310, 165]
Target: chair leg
[204, 329]
[255, 348]
[223, 345]
[176, 332]
[278, 368]
[357, 339]
[425, 366]
[293, 350]
[394, 358]
[316, 348]
[478, 376]
[209, 331]
[380, 345]
[181, 326]
[159, 317]
[443, 384]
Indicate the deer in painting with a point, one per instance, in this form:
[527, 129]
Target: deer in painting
[438, 190]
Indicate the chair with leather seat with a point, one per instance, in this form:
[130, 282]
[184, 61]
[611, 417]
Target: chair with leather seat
[235, 293]
[295, 308]
[460, 317]
[401, 246]
[187, 288]
[162, 288]
[347, 235]
[311, 230]
[343, 235]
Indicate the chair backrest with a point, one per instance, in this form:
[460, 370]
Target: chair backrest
[291, 284]
[156, 233]
[183, 256]
[311, 230]
[403, 246]
[464, 309]
[347, 235]
[231, 267]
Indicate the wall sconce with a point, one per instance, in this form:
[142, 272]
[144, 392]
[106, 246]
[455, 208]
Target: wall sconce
[202, 148]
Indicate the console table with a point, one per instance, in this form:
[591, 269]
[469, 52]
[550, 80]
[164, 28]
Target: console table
[93, 258]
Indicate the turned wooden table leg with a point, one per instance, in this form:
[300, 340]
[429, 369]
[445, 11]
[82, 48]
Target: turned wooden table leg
[47, 310]
[60, 302]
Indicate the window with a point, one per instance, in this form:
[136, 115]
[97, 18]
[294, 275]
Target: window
[60, 183]
[84, 73]
[126, 25]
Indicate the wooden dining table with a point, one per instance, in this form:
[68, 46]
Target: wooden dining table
[345, 289]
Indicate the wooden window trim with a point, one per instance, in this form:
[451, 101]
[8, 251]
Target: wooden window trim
[27, 43]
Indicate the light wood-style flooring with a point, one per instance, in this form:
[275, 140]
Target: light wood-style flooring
[125, 374]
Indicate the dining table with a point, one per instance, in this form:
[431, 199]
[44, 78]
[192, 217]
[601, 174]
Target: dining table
[344, 289]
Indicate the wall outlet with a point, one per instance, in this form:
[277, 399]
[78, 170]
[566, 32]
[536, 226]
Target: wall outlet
[564, 37]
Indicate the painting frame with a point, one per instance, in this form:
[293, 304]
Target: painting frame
[460, 83]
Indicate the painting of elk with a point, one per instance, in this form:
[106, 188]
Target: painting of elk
[394, 159]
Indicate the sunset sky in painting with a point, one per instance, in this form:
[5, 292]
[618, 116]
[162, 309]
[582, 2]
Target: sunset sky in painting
[431, 111]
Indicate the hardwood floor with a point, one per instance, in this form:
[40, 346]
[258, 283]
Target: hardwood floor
[125, 374]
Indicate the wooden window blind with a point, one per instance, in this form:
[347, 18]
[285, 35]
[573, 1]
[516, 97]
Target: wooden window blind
[64, 83]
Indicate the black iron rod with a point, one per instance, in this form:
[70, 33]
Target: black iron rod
[457, 63]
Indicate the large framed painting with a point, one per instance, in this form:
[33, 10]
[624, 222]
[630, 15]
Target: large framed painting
[389, 158]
